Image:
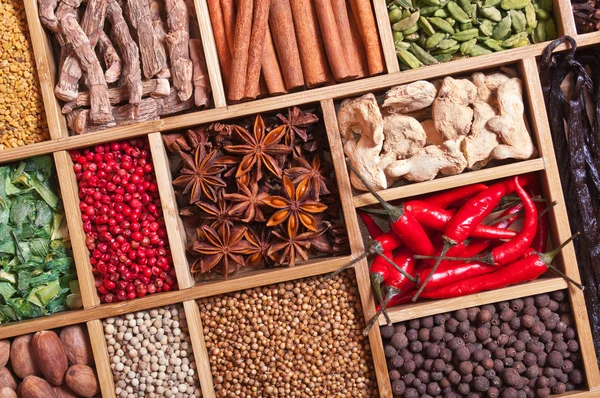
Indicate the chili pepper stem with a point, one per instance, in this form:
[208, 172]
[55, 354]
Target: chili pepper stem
[547, 258]
[447, 246]
[547, 209]
[374, 248]
[485, 259]
[381, 310]
[393, 264]
[506, 217]
[393, 212]
[376, 281]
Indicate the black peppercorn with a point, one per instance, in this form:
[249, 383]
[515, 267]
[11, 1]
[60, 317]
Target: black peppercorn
[394, 375]
[399, 341]
[461, 315]
[398, 387]
[416, 346]
[544, 313]
[558, 295]
[412, 334]
[437, 334]
[472, 314]
[530, 359]
[572, 346]
[427, 322]
[576, 376]
[541, 300]
[530, 310]
[512, 378]
[414, 324]
[480, 384]
[542, 392]
[400, 328]
[509, 393]
[451, 325]
[387, 331]
[389, 351]
[478, 370]
[411, 393]
[439, 365]
[425, 364]
[553, 305]
[436, 376]
[465, 368]
[463, 389]
[454, 377]
[462, 353]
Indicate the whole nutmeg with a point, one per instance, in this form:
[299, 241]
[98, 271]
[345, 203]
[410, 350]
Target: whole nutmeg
[82, 380]
[21, 357]
[7, 392]
[4, 352]
[64, 392]
[7, 379]
[35, 387]
[76, 343]
[51, 357]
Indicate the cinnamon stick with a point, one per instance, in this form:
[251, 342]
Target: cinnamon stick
[257, 45]
[356, 41]
[229, 19]
[218, 27]
[352, 47]
[368, 31]
[282, 30]
[332, 41]
[241, 45]
[312, 51]
[270, 67]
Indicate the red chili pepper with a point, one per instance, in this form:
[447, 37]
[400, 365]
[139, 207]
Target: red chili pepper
[508, 221]
[372, 227]
[389, 241]
[453, 273]
[403, 298]
[446, 198]
[436, 218]
[523, 270]
[467, 249]
[379, 271]
[541, 236]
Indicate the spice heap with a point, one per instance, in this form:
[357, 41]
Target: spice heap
[425, 129]
[430, 32]
[578, 157]
[298, 339]
[275, 46]
[587, 15]
[151, 354]
[22, 118]
[37, 271]
[160, 72]
[48, 364]
[257, 193]
[526, 347]
[123, 222]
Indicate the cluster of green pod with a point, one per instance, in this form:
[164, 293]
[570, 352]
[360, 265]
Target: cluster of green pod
[427, 32]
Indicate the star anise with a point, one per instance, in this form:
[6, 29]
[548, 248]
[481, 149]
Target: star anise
[294, 206]
[248, 201]
[289, 246]
[259, 148]
[296, 122]
[314, 172]
[260, 243]
[219, 214]
[200, 175]
[220, 250]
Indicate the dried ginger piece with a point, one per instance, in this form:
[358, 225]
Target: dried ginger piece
[404, 136]
[451, 112]
[409, 97]
[178, 36]
[480, 143]
[433, 136]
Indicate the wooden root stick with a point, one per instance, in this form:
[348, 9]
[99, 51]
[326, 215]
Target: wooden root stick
[100, 111]
[178, 22]
[200, 74]
[112, 61]
[148, 109]
[92, 25]
[153, 60]
[131, 75]
[156, 88]
[161, 33]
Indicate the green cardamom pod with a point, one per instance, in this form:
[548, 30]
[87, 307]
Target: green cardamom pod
[408, 59]
[474, 18]
[491, 3]
[407, 23]
[433, 41]
[514, 4]
[441, 13]
[451, 21]
[395, 15]
[539, 34]
[443, 57]
[546, 5]
[519, 23]
[502, 29]
[466, 6]
[398, 37]
[522, 43]
[450, 50]
[479, 50]
[422, 55]
[429, 10]
[458, 13]
[442, 24]
[542, 14]
[551, 32]
[467, 46]
[406, 13]
[493, 44]
[426, 26]
[432, 2]
[410, 31]
[466, 26]
[412, 37]
[402, 45]
[486, 27]
[530, 16]
[446, 44]
[492, 13]
[422, 40]
[466, 35]
[514, 40]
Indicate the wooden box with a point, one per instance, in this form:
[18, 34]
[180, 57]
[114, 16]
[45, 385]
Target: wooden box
[523, 58]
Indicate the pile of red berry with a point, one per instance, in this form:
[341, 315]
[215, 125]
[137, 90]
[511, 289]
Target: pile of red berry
[122, 220]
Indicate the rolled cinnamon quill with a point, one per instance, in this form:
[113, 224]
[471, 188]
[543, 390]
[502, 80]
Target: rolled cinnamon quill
[356, 42]
[270, 67]
[229, 21]
[257, 44]
[218, 27]
[368, 31]
[282, 30]
[241, 45]
[352, 47]
[312, 52]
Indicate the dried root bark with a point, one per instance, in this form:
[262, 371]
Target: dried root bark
[156, 88]
[153, 61]
[178, 22]
[67, 87]
[112, 61]
[100, 111]
[200, 74]
[46, 10]
[160, 31]
[131, 76]
[148, 109]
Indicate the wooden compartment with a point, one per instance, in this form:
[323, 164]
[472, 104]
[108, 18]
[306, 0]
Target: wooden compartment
[92, 314]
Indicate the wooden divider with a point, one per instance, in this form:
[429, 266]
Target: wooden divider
[385, 33]
[196, 330]
[101, 358]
